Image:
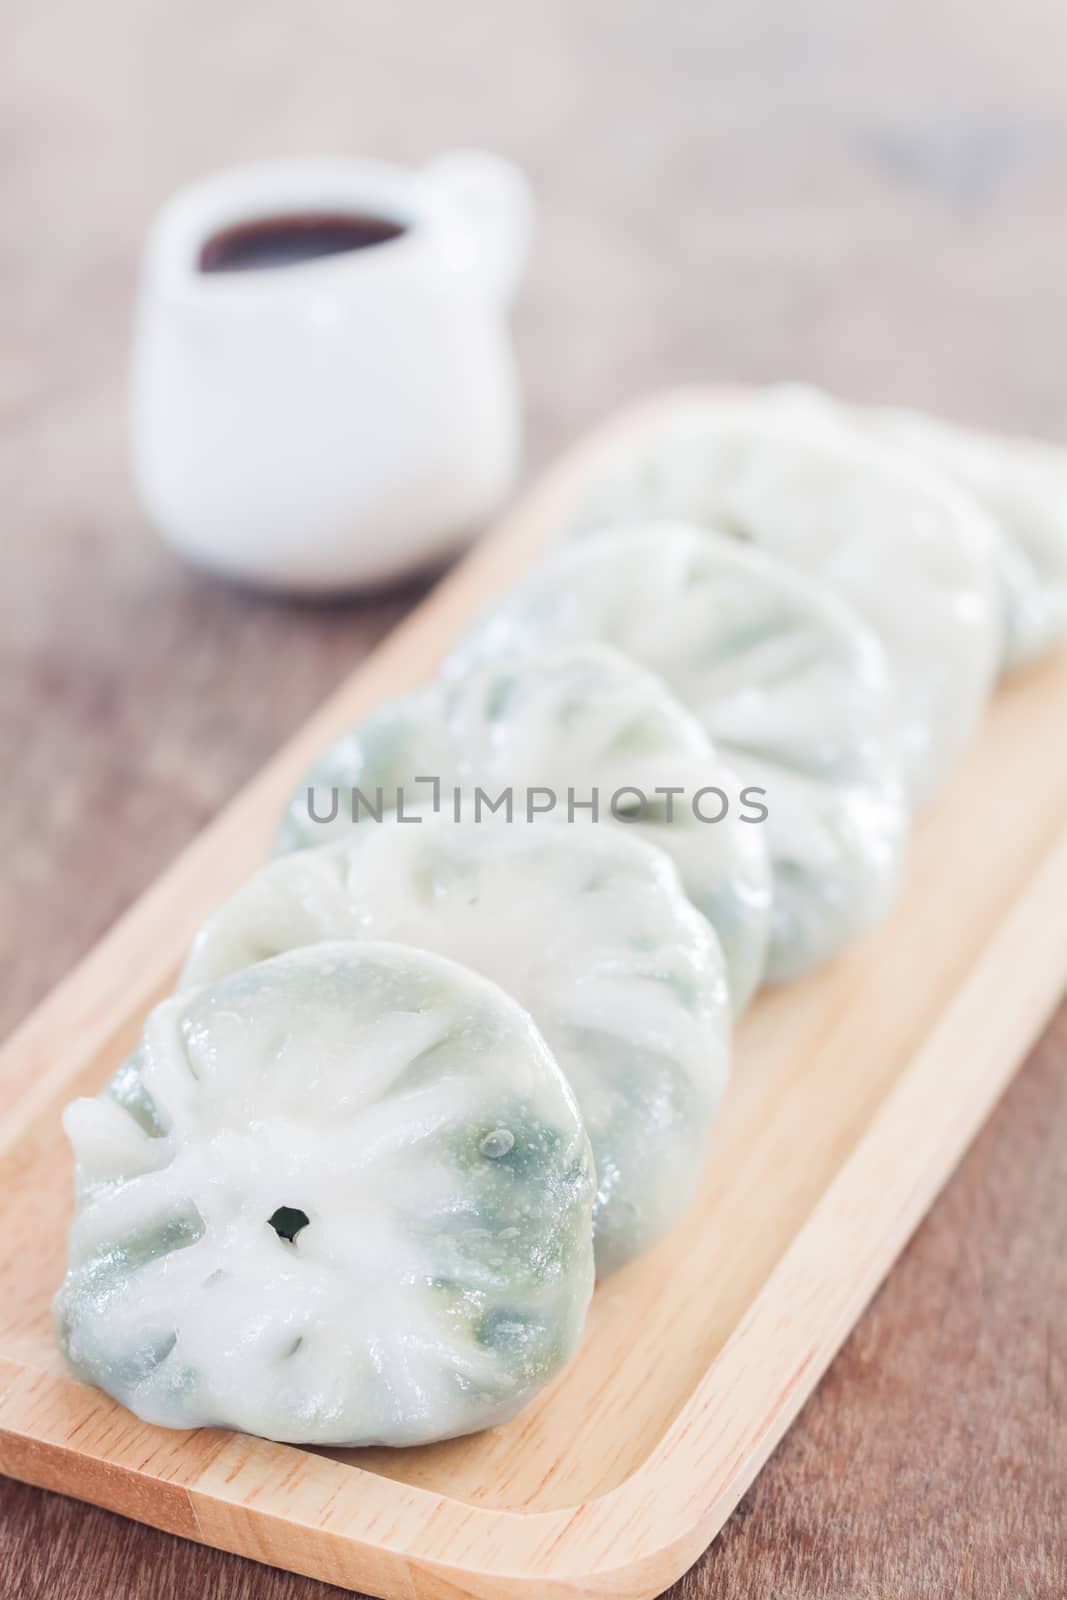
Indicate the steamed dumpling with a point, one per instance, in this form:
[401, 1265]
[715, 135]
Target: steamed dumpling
[792, 691]
[1022, 483]
[587, 928]
[914, 557]
[576, 720]
[399, 742]
[341, 1198]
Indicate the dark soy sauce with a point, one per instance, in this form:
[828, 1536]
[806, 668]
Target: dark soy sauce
[290, 240]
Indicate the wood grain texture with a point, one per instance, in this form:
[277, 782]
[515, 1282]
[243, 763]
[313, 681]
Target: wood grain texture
[872, 197]
[854, 1093]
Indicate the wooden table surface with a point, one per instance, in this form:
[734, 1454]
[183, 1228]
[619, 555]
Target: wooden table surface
[871, 196]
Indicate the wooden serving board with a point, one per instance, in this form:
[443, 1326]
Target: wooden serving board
[854, 1094]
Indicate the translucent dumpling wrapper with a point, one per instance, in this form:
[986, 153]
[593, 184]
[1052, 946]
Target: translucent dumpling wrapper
[343, 1197]
[915, 557]
[578, 725]
[402, 749]
[588, 929]
[791, 689]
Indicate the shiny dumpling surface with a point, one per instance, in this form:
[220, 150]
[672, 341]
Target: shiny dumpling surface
[575, 720]
[913, 556]
[791, 690]
[588, 928]
[342, 1197]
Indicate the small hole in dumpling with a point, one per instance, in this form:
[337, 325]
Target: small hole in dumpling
[287, 1222]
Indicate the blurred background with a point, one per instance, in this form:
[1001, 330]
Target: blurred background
[868, 196]
[871, 196]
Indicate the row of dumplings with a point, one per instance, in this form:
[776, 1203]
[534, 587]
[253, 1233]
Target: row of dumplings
[423, 1078]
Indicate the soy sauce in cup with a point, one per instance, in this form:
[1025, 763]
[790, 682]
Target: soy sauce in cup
[351, 415]
[287, 241]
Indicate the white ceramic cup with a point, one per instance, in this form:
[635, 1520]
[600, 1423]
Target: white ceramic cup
[342, 420]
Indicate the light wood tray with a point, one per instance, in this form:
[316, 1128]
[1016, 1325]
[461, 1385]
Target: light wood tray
[854, 1094]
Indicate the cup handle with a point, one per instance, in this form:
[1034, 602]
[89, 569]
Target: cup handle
[490, 200]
